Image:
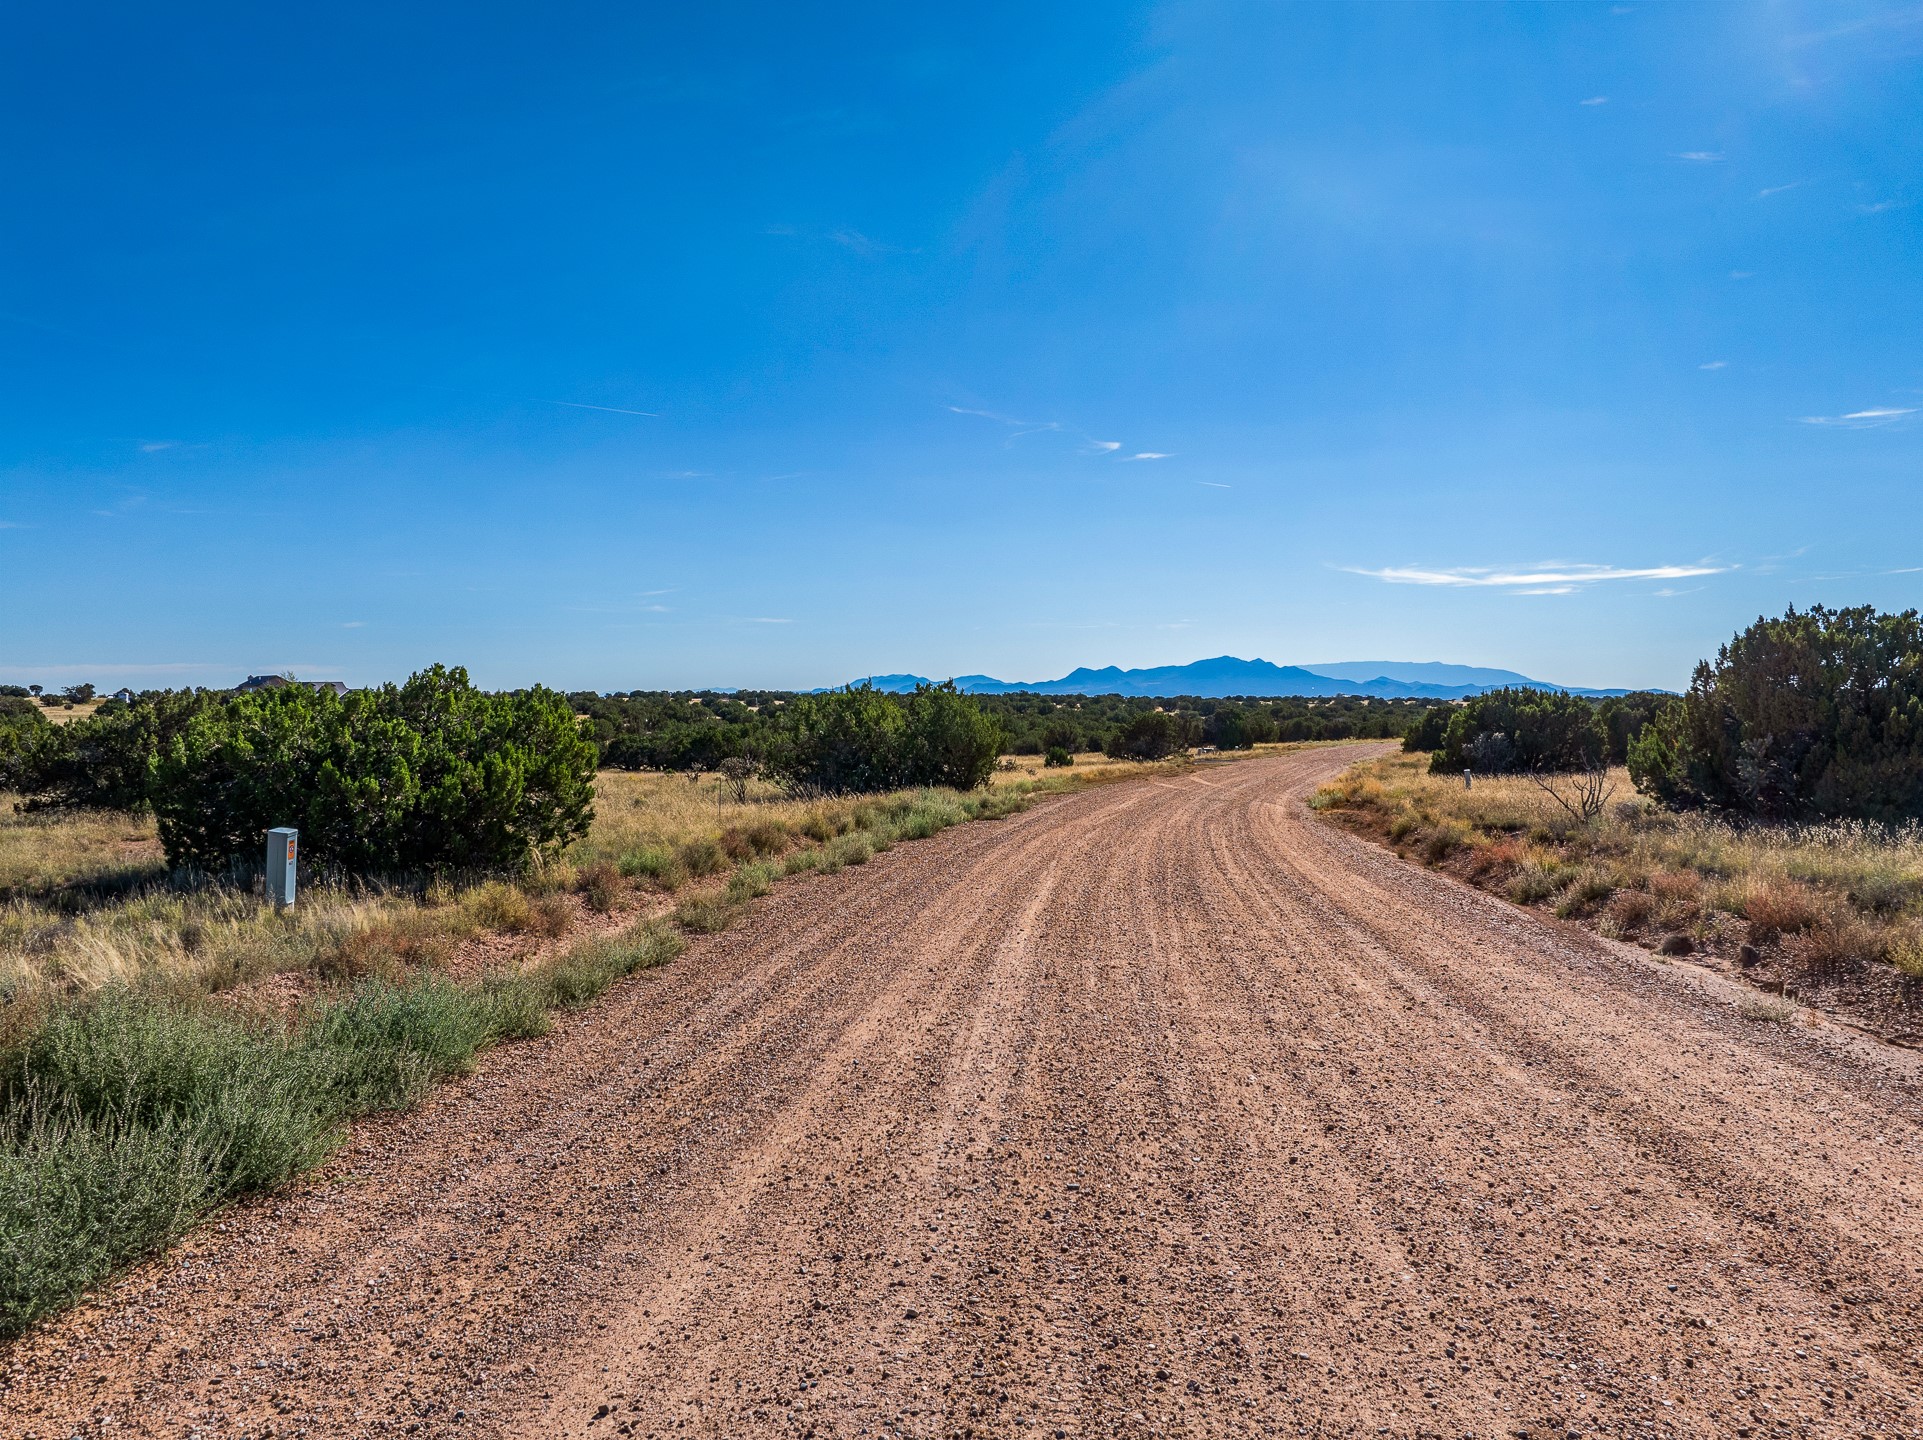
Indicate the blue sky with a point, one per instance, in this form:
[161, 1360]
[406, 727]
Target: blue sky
[633, 346]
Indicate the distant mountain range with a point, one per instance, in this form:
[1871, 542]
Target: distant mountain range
[1226, 675]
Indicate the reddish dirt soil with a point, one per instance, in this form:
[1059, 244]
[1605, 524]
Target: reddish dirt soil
[1162, 1109]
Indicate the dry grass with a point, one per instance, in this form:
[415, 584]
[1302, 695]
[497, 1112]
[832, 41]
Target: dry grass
[1833, 897]
[86, 901]
[64, 715]
[1766, 1009]
[42, 853]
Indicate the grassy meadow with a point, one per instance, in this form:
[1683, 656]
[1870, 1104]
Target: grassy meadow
[1839, 903]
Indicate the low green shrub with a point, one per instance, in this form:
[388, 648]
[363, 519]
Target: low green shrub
[247, 1095]
[1535, 882]
[82, 1196]
[586, 971]
[656, 863]
[706, 914]
[382, 1045]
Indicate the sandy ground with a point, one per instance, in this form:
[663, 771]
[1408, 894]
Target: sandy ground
[1162, 1109]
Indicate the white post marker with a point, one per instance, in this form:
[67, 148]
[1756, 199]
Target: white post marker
[281, 846]
[1465, 781]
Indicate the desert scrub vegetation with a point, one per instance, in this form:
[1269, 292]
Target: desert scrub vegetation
[127, 1114]
[150, 1073]
[1803, 903]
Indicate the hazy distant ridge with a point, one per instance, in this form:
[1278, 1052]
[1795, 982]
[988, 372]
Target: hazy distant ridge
[1227, 675]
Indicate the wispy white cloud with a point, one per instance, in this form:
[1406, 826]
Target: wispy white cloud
[1878, 208]
[769, 620]
[1742, 274]
[1862, 419]
[1019, 427]
[1215, 484]
[11, 525]
[1714, 365]
[1536, 580]
[1769, 190]
[1595, 100]
[353, 624]
[607, 409]
[154, 447]
[1701, 157]
[861, 244]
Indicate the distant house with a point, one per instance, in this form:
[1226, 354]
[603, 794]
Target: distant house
[274, 682]
[123, 695]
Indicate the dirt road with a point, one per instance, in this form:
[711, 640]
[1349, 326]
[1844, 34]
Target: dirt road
[1164, 1109]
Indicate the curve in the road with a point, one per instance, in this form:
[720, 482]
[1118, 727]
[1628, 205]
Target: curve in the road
[1161, 1109]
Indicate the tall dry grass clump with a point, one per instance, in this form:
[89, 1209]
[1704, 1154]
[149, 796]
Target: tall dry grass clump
[1832, 897]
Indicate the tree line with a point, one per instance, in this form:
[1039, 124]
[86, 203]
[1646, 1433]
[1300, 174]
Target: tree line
[1815, 714]
[436, 775]
[700, 729]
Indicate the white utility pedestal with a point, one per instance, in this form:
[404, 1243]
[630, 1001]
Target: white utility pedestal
[282, 843]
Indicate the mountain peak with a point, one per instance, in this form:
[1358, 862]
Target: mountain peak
[1226, 675]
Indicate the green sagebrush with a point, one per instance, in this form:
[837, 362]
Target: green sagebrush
[126, 1116]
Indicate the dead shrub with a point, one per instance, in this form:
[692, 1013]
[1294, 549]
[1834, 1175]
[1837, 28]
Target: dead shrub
[1631, 909]
[748, 842]
[822, 826]
[600, 887]
[383, 952]
[1489, 861]
[1840, 941]
[1676, 886]
[552, 916]
[1777, 906]
[1403, 825]
[1439, 845]
[769, 837]
[702, 857]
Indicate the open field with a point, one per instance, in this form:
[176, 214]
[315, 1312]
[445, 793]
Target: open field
[1831, 913]
[85, 899]
[1163, 1108]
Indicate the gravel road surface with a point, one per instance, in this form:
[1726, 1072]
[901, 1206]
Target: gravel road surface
[1162, 1109]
